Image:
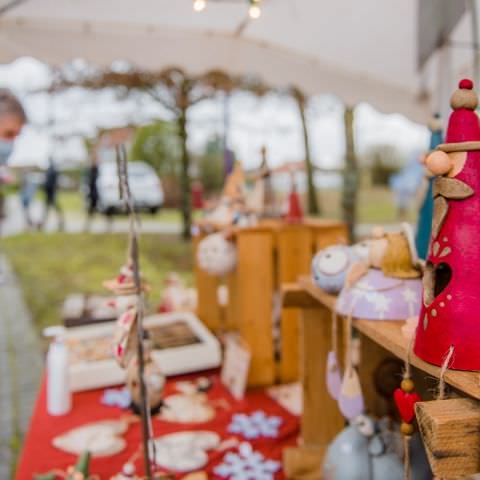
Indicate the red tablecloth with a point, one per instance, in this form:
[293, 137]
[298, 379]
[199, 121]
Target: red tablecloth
[39, 456]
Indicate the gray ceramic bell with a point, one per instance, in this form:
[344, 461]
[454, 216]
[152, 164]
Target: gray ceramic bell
[365, 451]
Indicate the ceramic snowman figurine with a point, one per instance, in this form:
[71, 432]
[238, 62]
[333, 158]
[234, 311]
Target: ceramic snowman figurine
[449, 316]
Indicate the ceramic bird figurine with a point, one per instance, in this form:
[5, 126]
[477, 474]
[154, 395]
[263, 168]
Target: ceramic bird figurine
[330, 267]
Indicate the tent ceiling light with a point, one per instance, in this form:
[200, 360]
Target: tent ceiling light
[199, 5]
[254, 10]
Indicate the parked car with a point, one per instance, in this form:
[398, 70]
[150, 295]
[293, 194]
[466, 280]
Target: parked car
[146, 188]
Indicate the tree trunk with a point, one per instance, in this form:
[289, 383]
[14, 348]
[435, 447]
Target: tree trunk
[350, 176]
[312, 200]
[185, 206]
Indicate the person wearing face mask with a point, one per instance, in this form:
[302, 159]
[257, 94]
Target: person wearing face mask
[12, 120]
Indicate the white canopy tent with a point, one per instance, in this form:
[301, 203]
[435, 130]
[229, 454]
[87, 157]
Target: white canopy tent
[359, 51]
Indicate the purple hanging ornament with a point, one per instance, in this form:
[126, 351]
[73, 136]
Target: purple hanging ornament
[334, 380]
[350, 399]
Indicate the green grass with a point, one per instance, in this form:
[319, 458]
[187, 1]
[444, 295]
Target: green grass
[52, 266]
[375, 205]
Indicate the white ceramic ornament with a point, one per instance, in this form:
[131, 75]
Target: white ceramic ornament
[185, 451]
[187, 408]
[101, 439]
[216, 255]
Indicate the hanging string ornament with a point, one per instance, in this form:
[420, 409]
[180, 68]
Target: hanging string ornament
[350, 398]
[405, 399]
[333, 374]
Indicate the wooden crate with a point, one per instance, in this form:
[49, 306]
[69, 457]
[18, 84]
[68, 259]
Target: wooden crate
[270, 254]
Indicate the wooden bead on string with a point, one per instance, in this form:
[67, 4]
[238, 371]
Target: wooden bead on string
[405, 399]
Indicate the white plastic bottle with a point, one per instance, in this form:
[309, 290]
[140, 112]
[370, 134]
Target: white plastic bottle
[59, 398]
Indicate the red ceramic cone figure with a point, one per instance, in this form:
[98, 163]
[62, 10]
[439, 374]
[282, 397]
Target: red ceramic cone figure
[295, 212]
[450, 314]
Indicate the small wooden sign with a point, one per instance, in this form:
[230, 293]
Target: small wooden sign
[236, 364]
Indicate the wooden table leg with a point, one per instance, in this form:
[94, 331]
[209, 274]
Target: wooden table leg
[321, 419]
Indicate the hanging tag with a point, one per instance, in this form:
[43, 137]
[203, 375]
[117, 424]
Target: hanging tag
[350, 400]
[333, 377]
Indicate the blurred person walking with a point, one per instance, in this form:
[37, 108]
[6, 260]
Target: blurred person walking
[92, 190]
[50, 188]
[28, 189]
[12, 120]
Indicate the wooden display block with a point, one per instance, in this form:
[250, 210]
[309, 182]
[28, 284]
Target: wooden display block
[450, 431]
[318, 427]
[303, 463]
[294, 252]
[254, 288]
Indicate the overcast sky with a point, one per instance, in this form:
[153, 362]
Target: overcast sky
[272, 121]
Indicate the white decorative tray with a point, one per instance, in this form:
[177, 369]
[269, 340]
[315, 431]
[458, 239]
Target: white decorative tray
[181, 344]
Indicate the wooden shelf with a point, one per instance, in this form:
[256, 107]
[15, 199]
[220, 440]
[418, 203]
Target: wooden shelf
[266, 224]
[388, 334]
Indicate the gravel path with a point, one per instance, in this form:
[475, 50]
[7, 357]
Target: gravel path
[21, 366]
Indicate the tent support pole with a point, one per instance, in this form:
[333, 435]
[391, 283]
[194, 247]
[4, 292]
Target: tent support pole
[312, 200]
[475, 41]
[350, 175]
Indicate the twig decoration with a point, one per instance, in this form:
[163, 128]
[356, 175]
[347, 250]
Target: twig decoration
[133, 253]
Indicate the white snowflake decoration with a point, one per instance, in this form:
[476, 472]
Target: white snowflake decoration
[382, 303]
[411, 297]
[247, 465]
[256, 425]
